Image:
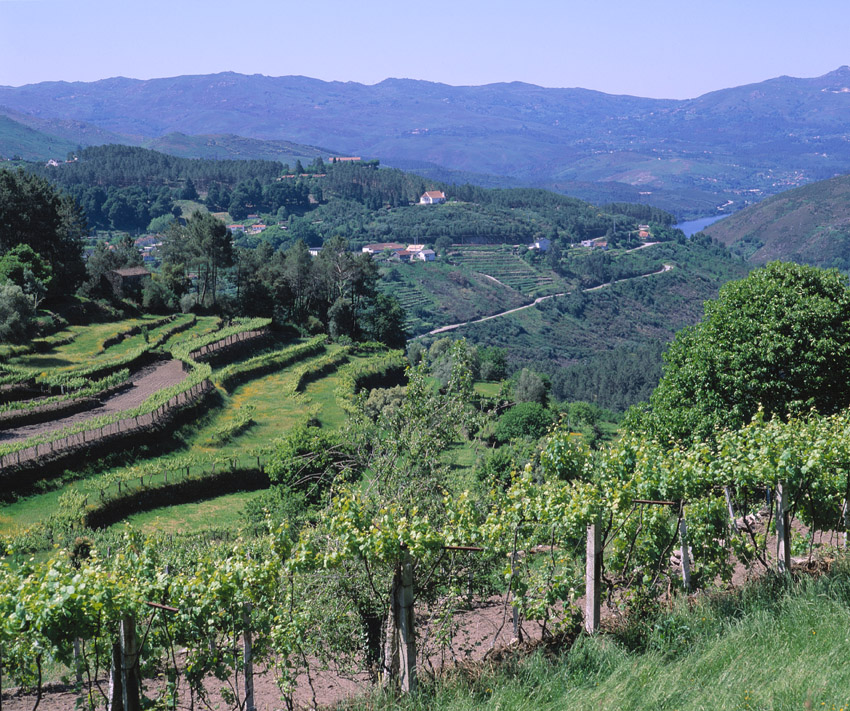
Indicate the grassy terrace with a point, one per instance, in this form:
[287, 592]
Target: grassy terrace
[270, 401]
[502, 263]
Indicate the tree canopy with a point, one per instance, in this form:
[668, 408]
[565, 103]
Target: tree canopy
[778, 340]
[33, 213]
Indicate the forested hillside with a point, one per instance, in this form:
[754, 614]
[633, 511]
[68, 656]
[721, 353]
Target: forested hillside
[603, 347]
[810, 224]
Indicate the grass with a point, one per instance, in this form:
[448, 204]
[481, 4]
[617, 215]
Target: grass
[273, 412]
[488, 389]
[770, 645]
[220, 512]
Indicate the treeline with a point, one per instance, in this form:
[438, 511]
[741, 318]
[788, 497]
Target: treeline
[125, 166]
[125, 188]
[645, 213]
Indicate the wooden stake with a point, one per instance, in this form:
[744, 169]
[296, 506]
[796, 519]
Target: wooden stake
[78, 662]
[686, 561]
[517, 629]
[115, 694]
[730, 509]
[248, 657]
[400, 645]
[593, 578]
[783, 538]
[130, 665]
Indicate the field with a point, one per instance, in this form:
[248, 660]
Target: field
[503, 263]
[235, 429]
[436, 294]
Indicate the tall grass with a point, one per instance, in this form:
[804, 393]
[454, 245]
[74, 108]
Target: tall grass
[772, 645]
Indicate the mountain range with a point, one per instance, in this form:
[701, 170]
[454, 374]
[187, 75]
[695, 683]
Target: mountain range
[721, 150]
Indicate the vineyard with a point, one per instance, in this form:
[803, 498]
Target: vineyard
[505, 265]
[380, 585]
[244, 406]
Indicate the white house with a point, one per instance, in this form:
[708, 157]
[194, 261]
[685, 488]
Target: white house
[432, 197]
[541, 245]
[425, 255]
[383, 247]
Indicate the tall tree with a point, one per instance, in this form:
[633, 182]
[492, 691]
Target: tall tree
[211, 244]
[778, 340]
[33, 213]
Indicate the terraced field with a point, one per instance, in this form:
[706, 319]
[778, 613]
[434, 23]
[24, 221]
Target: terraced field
[504, 265]
[267, 393]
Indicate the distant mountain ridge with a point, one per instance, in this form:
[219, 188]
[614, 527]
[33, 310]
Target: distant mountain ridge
[723, 148]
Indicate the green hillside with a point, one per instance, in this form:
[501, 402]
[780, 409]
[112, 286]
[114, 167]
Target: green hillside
[604, 344]
[810, 224]
[230, 147]
[17, 140]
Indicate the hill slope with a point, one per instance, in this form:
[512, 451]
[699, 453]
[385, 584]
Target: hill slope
[810, 224]
[18, 140]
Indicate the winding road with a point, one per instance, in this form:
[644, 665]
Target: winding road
[452, 327]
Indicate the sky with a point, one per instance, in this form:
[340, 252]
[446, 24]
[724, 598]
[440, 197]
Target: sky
[653, 48]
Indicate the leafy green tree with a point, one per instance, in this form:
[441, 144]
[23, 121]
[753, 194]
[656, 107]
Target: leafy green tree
[159, 225]
[298, 275]
[23, 266]
[384, 321]
[530, 387]
[778, 340]
[189, 192]
[33, 213]
[211, 245]
[494, 363]
[442, 245]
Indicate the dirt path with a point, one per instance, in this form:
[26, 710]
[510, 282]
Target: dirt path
[539, 299]
[146, 382]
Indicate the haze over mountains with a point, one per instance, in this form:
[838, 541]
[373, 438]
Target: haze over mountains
[720, 150]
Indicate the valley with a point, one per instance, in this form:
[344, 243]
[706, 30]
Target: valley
[342, 428]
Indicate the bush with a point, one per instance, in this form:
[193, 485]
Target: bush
[308, 459]
[17, 314]
[527, 420]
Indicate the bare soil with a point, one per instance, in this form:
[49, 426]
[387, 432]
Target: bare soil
[146, 382]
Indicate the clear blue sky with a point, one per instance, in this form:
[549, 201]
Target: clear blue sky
[656, 48]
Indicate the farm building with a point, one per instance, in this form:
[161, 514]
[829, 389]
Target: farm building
[383, 247]
[425, 255]
[127, 282]
[432, 197]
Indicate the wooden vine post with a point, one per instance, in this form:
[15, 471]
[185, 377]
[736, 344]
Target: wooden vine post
[131, 686]
[115, 693]
[593, 577]
[400, 645]
[783, 537]
[686, 554]
[248, 657]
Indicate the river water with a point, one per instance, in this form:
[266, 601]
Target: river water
[691, 227]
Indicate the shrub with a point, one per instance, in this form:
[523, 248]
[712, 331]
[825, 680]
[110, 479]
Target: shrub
[527, 420]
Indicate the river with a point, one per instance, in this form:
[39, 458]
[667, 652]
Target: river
[691, 227]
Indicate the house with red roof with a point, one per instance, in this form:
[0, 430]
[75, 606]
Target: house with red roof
[432, 197]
